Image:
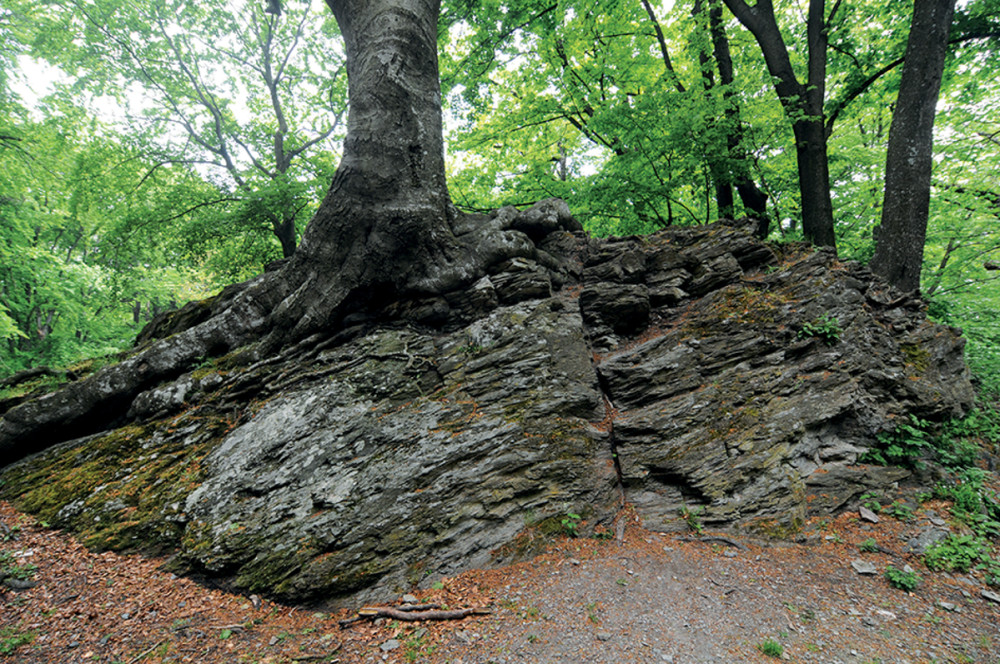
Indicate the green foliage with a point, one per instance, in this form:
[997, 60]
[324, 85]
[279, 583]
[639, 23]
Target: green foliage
[962, 439]
[826, 328]
[991, 571]
[74, 280]
[872, 501]
[598, 118]
[904, 446]
[415, 647]
[974, 503]
[901, 579]
[11, 639]
[771, 648]
[570, 524]
[869, 546]
[10, 567]
[956, 447]
[692, 517]
[976, 310]
[900, 510]
[956, 553]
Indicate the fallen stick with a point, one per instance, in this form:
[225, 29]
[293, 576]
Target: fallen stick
[409, 615]
[146, 652]
[417, 607]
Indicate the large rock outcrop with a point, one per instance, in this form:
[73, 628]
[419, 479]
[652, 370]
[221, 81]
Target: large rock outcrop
[696, 367]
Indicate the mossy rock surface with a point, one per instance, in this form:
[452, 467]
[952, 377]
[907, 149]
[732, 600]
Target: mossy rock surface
[456, 430]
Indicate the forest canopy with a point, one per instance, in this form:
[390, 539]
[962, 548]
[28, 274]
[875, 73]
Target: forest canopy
[151, 153]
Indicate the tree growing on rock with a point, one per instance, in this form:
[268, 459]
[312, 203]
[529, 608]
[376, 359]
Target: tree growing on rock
[386, 230]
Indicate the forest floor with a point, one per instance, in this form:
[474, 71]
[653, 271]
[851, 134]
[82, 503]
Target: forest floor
[649, 598]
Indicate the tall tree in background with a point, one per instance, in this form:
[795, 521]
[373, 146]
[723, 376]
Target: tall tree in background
[899, 249]
[753, 198]
[803, 103]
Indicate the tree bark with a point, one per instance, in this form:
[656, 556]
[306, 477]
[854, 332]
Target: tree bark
[899, 249]
[386, 228]
[803, 103]
[753, 198]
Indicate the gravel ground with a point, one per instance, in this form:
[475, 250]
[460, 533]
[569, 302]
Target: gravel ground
[650, 598]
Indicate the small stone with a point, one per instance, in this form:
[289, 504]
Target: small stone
[603, 636]
[389, 645]
[864, 567]
[867, 515]
[924, 539]
[990, 595]
[409, 599]
[936, 520]
[947, 606]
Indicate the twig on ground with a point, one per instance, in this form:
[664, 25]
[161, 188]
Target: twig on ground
[147, 651]
[407, 614]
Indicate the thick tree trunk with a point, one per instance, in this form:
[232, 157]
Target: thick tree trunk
[899, 250]
[384, 229]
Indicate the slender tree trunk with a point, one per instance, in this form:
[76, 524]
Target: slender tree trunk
[284, 230]
[899, 250]
[753, 198]
[718, 167]
[814, 182]
[803, 103]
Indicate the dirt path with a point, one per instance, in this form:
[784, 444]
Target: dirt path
[653, 598]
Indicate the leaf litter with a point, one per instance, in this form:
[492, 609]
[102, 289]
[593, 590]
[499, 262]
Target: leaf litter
[651, 598]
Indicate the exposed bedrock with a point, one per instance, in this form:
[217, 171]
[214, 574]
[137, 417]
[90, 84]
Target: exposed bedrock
[693, 368]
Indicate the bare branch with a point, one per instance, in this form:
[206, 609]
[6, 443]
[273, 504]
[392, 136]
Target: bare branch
[663, 46]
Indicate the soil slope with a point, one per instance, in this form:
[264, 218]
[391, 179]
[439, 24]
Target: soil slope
[648, 598]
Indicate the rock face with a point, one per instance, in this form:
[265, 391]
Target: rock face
[694, 368]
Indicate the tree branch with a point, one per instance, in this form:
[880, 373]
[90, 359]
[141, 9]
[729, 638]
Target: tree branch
[663, 46]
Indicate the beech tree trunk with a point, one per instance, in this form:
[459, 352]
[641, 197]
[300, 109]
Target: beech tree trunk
[899, 250]
[386, 228]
